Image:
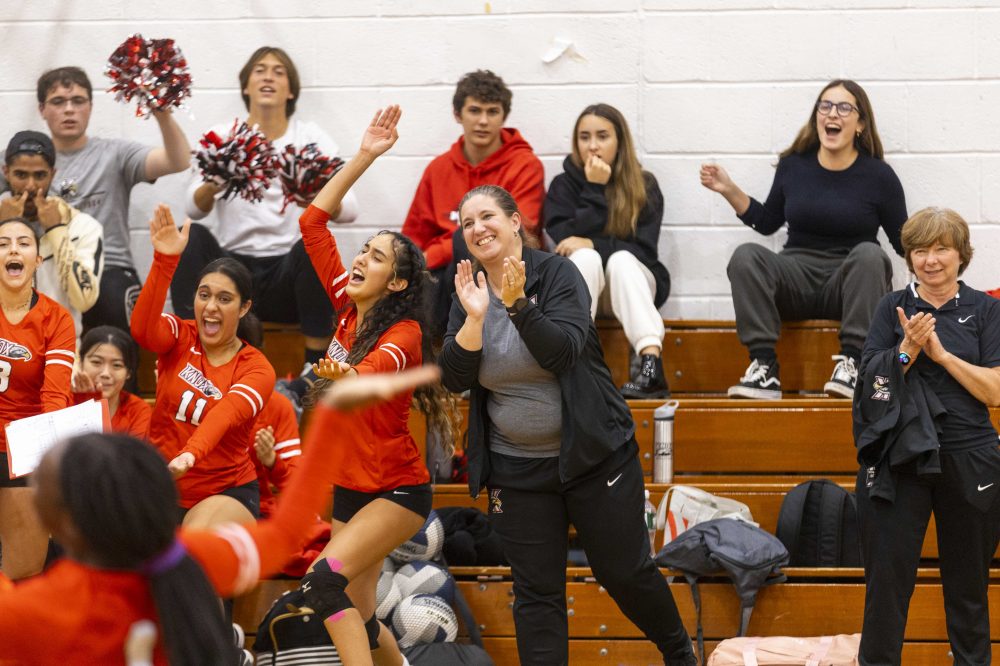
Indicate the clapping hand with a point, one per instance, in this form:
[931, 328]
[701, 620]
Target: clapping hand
[472, 292]
[512, 285]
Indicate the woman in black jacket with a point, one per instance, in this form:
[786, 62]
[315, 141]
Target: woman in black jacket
[604, 213]
[549, 435]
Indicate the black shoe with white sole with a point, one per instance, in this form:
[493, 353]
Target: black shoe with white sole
[843, 379]
[759, 382]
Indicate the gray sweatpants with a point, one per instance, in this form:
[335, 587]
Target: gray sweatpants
[797, 283]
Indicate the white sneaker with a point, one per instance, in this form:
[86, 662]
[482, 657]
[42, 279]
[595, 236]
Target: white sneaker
[759, 382]
[843, 379]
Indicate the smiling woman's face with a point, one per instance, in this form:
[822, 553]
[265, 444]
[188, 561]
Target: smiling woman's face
[837, 132]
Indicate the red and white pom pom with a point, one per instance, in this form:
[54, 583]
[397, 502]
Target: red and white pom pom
[241, 164]
[153, 72]
[304, 171]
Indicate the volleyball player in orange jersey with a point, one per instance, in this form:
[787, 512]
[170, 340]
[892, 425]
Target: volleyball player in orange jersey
[382, 494]
[37, 343]
[108, 359]
[210, 384]
[109, 498]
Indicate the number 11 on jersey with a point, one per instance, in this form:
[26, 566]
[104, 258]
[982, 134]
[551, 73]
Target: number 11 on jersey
[182, 410]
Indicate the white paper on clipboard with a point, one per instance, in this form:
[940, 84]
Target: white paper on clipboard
[29, 438]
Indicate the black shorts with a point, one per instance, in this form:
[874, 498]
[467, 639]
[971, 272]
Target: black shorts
[347, 502]
[6, 481]
[248, 495]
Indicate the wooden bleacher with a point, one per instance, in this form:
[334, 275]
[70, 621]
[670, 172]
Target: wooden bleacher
[753, 451]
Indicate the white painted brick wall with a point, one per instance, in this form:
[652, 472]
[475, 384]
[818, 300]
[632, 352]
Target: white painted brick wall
[724, 80]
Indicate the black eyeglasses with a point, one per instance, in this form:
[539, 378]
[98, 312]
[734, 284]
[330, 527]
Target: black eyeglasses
[844, 109]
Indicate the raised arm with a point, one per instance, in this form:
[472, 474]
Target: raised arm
[175, 153]
[151, 328]
[320, 246]
[764, 218]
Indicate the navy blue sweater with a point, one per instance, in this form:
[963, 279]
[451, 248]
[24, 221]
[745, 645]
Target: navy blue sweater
[831, 210]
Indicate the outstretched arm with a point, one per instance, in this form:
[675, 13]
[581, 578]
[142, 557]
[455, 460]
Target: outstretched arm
[175, 153]
[151, 328]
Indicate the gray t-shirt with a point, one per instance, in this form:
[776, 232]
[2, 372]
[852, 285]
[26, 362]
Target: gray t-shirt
[97, 180]
[525, 401]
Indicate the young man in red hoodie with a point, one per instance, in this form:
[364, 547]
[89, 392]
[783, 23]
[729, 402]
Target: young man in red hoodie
[487, 153]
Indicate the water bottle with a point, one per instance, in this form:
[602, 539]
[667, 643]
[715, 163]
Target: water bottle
[663, 442]
[650, 515]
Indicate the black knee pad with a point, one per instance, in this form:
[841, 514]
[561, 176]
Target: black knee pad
[326, 591]
[372, 628]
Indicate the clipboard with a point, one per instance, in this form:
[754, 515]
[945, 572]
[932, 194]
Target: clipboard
[28, 439]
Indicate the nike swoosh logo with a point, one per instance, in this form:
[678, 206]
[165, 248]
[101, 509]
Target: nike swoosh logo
[399, 492]
[982, 488]
[962, 320]
[614, 480]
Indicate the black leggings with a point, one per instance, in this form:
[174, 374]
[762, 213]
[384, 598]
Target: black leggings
[531, 510]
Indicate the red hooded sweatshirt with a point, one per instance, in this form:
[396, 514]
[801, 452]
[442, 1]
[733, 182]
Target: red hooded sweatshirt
[433, 216]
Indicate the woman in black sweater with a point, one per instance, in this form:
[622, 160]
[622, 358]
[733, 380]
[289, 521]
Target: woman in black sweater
[834, 190]
[604, 213]
[549, 435]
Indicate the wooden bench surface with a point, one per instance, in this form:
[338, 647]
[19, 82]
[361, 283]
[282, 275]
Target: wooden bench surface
[703, 356]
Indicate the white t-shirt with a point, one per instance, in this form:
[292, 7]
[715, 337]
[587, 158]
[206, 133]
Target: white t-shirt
[261, 229]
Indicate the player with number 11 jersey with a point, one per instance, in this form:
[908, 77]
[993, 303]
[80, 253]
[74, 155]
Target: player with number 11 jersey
[205, 410]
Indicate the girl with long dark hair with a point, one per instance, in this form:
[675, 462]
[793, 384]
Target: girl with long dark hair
[834, 189]
[210, 384]
[382, 494]
[604, 213]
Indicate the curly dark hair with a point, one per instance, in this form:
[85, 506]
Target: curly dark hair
[485, 86]
[410, 303]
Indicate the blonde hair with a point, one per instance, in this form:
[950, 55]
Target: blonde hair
[626, 191]
[937, 225]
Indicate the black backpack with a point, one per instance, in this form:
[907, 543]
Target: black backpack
[818, 523]
[751, 557]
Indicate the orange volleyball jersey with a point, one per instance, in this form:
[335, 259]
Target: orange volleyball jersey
[36, 362]
[205, 410]
[387, 456]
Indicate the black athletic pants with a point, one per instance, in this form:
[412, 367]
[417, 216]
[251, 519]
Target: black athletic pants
[968, 530]
[531, 510]
[120, 289]
[286, 287]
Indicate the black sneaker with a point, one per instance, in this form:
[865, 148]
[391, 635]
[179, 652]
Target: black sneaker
[843, 379]
[759, 382]
[649, 383]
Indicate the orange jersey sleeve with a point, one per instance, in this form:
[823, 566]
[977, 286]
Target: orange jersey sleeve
[324, 255]
[235, 557]
[59, 355]
[151, 327]
[399, 348]
[280, 415]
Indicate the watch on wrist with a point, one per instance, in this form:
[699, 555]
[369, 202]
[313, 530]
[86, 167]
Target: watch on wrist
[518, 305]
[904, 358]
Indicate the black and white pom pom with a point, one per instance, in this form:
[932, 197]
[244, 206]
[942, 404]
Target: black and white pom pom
[241, 164]
[304, 171]
[153, 72]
